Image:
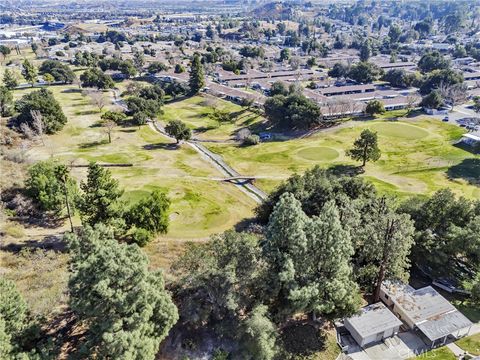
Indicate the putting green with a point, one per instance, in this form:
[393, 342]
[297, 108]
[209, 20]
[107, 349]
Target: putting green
[318, 153]
[401, 131]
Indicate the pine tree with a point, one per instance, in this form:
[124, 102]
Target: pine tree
[6, 101]
[6, 347]
[365, 148]
[9, 79]
[327, 286]
[197, 76]
[29, 72]
[101, 194]
[285, 249]
[259, 335]
[386, 238]
[13, 308]
[123, 305]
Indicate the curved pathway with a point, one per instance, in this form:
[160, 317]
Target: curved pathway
[216, 160]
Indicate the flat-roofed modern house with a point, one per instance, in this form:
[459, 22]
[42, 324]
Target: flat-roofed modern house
[373, 324]
[426, 312]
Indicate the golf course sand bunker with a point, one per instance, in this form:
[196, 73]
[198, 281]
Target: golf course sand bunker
[318, 153]
[401, 131]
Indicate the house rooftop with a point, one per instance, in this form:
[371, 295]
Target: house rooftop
[373, 319]
[422, 304]
[441, 326]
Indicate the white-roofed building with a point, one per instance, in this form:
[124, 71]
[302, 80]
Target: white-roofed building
[427, 312]
[373, 324]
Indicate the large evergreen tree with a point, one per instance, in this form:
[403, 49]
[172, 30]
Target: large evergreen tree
[365, 148]
[9, 79]
[6, 101]
[48, 189]
[124, 306]
[285, 249]
[197, 75]
[43, 101]
[13, 308]
[327, 285]
[259, 335]
[309, 261]
[101, 194]
[29, 72]
[384, 242]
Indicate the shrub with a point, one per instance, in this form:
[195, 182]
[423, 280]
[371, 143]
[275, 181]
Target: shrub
[251, 140]
[141, 237]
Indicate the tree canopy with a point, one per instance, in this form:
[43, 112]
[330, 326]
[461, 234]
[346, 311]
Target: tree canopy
[123, 305]
[43, 101]
[60, 72]
[179, 130]
[99, 202]
[94, 77]
[365, 148]
[294, 111]
[197, 75]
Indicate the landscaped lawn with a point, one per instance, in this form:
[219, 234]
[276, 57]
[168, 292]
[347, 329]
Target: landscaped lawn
[470, 344]
[418, 157]
[194, 112]
[201, 205]
[442, 353]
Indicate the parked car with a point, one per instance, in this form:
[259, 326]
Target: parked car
[449, 286]
[265, 136]
[445, 118]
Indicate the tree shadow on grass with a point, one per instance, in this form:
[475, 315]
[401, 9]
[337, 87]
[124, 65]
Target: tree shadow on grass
[86, 112]
[302, 338]
[70, 91]
[471, 149]
[203, 129]
[345, 170]
[55, 243]
[468, 169]
[92, 144]
[164, 146]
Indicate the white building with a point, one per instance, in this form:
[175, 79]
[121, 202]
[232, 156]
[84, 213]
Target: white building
[373, 324]
[425, 311]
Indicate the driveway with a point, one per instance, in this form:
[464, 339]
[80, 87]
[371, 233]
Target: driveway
[403, 346]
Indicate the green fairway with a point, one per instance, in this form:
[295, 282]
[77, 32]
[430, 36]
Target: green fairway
[201, 205]
[194, 111]
[400, 131]
[318, 153]
[418, 157]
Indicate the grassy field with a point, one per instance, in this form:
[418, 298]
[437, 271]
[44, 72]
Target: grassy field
[418, 157]
[470, 344]
[194, 112]
[200, 205]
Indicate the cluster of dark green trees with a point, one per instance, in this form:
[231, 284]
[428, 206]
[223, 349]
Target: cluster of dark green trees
[362, 72]
[121, 308]
[98, 200]
[44, 102]
[126, 67]
[57, 71]
[292, 110]
[95, 77]
[312, 256]
[320, 240]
